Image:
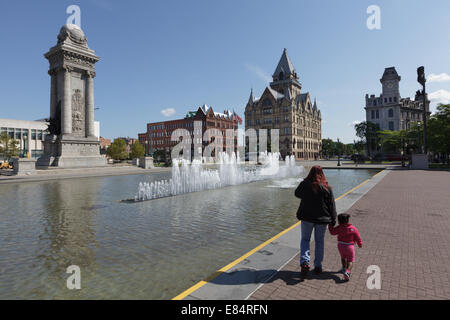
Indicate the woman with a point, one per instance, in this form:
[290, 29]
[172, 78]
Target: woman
[317, 210]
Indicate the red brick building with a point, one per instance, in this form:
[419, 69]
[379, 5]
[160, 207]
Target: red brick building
[158, 135]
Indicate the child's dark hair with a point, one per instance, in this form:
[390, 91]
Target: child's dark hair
[343, 218]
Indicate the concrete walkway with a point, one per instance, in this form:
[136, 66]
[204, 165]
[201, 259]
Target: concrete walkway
[404, 222]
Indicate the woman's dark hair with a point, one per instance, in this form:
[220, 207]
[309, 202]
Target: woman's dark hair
[317, 178]
[343, 218]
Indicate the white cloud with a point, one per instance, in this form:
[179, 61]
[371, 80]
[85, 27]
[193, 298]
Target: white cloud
[168, 112]
[440, 96]
[442, 77]
[259, 72]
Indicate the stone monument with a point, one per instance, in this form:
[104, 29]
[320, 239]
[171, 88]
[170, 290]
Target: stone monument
[71, 141]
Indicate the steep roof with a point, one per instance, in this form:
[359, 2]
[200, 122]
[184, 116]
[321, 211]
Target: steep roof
[284, 65]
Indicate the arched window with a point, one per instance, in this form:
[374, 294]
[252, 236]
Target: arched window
[391, 113]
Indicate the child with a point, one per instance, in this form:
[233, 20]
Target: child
[347, 236]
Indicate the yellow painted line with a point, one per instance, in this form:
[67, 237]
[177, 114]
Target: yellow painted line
[200, 284]
[378, 173]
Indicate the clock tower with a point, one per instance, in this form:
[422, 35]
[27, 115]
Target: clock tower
[390, 82]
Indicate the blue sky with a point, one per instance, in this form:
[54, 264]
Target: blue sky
[159, 55]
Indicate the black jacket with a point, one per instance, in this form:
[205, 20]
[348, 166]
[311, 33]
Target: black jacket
[315, 207]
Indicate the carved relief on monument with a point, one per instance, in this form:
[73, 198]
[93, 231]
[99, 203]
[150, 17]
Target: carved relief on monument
[78, 113]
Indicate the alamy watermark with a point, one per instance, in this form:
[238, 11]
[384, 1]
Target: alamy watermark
[74, 280]
[374, 280]
[75, 15]
[374, 20]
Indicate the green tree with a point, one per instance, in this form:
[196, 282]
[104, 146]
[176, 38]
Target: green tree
[349, 149]
[327, 148]
[368, 133]
[438, 133]
[137, 150]
[358, 146]
[8, 146]
[392, 141]
[117, 150]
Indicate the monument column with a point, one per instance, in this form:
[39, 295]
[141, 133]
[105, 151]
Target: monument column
[90, 129]
[52, 74]
[66, 107]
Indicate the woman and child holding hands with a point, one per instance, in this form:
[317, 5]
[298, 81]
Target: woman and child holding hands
[317, 211]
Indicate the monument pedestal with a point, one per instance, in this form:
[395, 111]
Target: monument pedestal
[419, 161]
[24, 166]
[146, 162]
[70, 152]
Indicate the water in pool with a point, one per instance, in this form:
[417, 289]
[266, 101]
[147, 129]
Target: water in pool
[147, 250]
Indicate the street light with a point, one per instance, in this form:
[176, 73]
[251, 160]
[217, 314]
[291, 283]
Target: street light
[339, 153]
[421, 79]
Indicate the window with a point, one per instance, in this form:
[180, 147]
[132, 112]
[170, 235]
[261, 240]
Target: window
[391, 113]
[395, 99]
[281, 76]
[390, 99]
[33, 134]
[385, 100]
[18, 135]
[286, 119]
[268, 111]
[286, 130]
[277, 120]
[373, 114]
[378, 114]
[267, 120]
[249, 122]
[11, 133]
[267, 102]
[258, 121]
[391, 125]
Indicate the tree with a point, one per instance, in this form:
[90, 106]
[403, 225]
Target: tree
[438, 133]
[8, 146]
[117, 150]
[137, 150]
[368, 133]
[358, 146]
[327, 148]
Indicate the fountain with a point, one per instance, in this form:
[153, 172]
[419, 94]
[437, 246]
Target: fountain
[192, 177]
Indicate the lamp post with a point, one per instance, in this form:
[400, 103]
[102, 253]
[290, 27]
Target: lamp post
[146, 147]
[339, 153]
[421, 79]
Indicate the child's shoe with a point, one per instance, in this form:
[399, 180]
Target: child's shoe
[347, 275]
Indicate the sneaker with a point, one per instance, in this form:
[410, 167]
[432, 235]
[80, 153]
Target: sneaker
[305, 268]
[347, 275]
[318, 270]
[342, 270]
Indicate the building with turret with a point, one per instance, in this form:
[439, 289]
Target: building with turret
[389, 110]
[282, 106]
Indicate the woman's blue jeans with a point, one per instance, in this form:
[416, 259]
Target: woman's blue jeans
[319, 238]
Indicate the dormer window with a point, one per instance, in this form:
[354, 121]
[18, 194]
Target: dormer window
[281, 76]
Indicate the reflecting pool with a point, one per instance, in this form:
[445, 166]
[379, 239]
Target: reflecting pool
[146, 250]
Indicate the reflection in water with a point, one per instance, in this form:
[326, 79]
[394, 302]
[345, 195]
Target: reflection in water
[146, 250]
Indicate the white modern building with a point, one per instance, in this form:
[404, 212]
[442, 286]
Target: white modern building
[31, 134]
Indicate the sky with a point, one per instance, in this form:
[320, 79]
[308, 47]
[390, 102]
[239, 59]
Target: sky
[163, 58]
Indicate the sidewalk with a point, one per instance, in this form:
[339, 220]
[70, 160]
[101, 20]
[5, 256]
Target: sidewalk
[404, 221]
